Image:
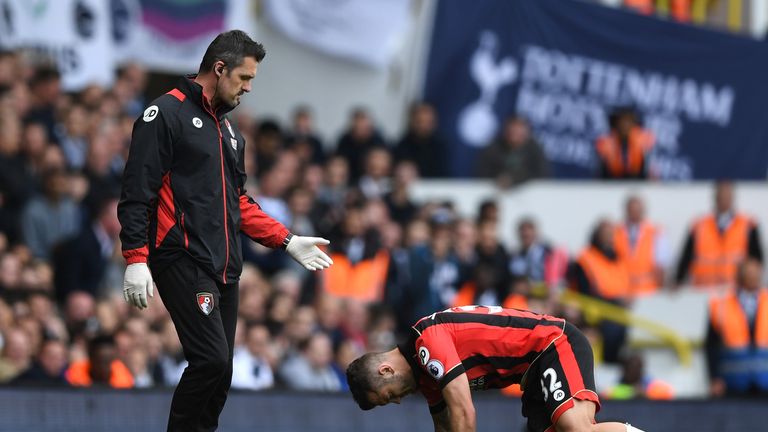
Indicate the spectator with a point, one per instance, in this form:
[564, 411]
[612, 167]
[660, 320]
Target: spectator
[717, 242]
[360, 138]
[300, 201]
[17, 353]
[17, 183]
[421, 143]
[48, 368]
[268, 145]
[311, 369]
[304, 140]
[515, 157]
[171, 363]
[80, 314]
[50, 218]
[623, 152]
[73, 139]
[436, 273]
[402, 209]
[101, 368]
[251, 368]
[360, 263]
[536, 259]
[81, 262]
[600, 273]
[643, 247]
[375, 182]
[45, 88]
[737, 337]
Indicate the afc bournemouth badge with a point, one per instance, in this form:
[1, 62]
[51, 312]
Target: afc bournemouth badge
[205, 302]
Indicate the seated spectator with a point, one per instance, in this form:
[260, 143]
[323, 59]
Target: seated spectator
[311, 368]
[360, 263]
[251, 368]
[171, 363]
[360, 138]
[73, 139]
[304, 140]
[101, 368]
[268, 144]
[536, 259]
[375, 181]
[717, 242]
[48, 368]
[402, 209]
[80, 263]
[50, 218]
[421, 143]
[623, 151]
[737, 337]
[600, 273]
[515, 157]
[17, 353]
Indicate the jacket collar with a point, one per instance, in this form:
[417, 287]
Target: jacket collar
[194, 92]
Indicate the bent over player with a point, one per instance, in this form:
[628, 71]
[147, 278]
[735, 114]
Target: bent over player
[182, 209]
[450, 353]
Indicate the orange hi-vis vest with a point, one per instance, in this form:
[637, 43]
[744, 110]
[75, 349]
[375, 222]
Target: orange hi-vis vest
[644, 7]
[716, 255]
[466, 297]
[744, 357]
[609, 278]
[364, 281]
[640, 260]
[610, 151]
[79, 374]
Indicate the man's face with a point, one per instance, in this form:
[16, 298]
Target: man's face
[236, 81]
[395, 389]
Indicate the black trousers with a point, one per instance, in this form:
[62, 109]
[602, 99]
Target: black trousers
[205, 315]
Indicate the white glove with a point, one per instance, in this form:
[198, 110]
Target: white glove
[305, 251]
[137, 285]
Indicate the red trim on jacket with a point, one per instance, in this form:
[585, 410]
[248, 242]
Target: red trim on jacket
[259, 225]
[166, 212]
[138, 255]
[177, 94]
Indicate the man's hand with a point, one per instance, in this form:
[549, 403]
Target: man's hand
[305, 251]
[137, 285]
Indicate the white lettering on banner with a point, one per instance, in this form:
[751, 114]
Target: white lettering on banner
[567, 99]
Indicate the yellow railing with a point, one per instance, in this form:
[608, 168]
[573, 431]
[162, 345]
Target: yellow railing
[700, 10]
[595, 310]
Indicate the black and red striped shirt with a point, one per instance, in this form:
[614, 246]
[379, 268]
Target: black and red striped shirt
[492, 345]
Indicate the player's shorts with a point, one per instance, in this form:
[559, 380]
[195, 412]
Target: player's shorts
[562, 373]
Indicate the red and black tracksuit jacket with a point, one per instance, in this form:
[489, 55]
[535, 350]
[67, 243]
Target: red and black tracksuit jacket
[183, 188]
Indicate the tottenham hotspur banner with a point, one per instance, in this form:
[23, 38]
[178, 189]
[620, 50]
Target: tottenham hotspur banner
[564, 64]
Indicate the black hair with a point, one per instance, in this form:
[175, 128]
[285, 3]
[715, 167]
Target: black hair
[99, 341]
[363, 378]
[231, 47]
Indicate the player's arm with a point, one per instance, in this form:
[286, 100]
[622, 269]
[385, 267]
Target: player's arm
[460, 409]
[442, 421]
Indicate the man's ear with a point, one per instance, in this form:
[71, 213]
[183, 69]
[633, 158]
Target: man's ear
[386, 369]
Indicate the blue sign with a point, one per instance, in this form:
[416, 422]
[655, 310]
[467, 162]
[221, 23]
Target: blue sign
[565, 64]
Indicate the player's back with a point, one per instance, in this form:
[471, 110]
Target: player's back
[494, 345]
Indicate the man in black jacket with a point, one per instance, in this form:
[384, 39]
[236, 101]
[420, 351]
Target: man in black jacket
[182, 208]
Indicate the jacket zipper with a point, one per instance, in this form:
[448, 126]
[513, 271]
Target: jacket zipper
[223, 193]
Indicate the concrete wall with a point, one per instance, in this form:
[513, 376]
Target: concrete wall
[567, 211]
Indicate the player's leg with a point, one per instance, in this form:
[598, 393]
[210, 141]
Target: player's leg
[228, 310]
[572, 360]
[192, 298]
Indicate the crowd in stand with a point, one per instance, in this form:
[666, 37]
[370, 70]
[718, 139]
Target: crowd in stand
[63, 319]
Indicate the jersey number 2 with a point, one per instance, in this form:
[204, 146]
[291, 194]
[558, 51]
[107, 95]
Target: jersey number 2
[555, 386]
